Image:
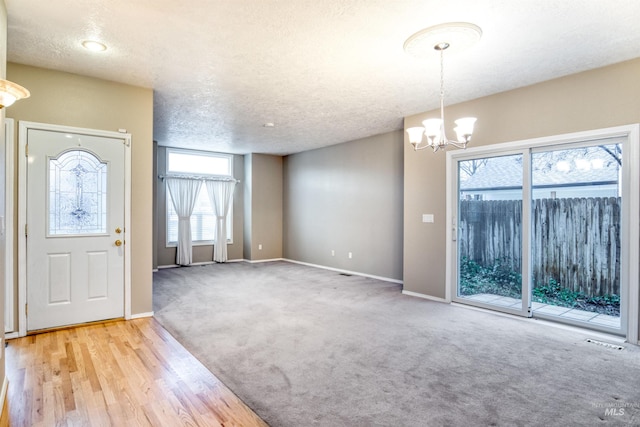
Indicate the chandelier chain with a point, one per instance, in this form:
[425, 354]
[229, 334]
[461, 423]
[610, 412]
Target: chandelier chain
[442, 74]
[443, 136]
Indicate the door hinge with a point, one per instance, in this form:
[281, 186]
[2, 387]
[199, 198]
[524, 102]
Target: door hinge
[26, 150]
[26, 231]
[26, 309]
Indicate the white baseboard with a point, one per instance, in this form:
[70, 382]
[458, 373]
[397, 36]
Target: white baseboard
[424, 296]
[3, 393]
[162, 267]
[257, 261]
[141, 315]
[339, 270]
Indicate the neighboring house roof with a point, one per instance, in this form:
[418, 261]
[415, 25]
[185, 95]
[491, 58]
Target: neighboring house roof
[565, 168]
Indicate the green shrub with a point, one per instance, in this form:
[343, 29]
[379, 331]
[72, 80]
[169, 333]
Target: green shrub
[554, 294]
[499, 279]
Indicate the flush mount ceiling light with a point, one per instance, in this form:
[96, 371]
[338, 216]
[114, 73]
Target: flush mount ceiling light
[94, 46]
[11, 92]
[454, 36]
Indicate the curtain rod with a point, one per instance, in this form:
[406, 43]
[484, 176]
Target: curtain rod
[199, 178]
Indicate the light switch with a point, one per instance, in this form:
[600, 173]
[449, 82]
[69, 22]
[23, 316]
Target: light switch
[427, 217]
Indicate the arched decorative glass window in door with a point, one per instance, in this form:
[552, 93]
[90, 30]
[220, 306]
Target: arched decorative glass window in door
[77, 196]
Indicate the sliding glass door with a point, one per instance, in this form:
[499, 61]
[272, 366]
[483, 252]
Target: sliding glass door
[489, 228]
[548, 228]
[576, 240]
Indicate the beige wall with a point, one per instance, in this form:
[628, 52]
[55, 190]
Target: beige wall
[263, 207]
[3, 249]
[201, 253]
[73, 100]
[594, 99]
[347, 198]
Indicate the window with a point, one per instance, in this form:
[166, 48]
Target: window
[203, 220]
[77, 196]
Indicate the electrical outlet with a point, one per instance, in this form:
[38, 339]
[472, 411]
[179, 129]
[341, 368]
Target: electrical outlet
[350, 255]
[333, 253]
[260, 247]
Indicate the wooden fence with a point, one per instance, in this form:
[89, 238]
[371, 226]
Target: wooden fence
[575, 242]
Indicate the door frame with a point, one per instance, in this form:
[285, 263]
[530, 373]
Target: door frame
[24, 127]
[8, 226]
[630, 272]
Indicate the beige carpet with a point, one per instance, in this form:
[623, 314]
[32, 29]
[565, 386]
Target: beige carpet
[310, 347]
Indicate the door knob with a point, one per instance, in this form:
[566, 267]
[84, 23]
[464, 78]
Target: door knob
[118, 242]
[118, 230]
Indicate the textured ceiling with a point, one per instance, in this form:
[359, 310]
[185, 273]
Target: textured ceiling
[323, 72]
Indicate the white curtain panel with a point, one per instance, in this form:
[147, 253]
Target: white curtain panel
[184, 193]
[220, 195]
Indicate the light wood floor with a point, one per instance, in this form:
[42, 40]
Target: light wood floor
[124, 373]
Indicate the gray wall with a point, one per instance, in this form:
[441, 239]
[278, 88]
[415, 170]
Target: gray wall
[347, 198]
[167, 255]
[154, 255]
[247, 185]
[263, 207]
[594, 99]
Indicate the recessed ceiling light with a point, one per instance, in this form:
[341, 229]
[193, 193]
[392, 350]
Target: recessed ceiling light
[269, 125]
[94, 46]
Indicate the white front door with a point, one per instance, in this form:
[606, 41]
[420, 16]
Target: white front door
[75, 228]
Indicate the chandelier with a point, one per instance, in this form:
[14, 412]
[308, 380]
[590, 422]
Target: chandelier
[453, 36]
[11, 92]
